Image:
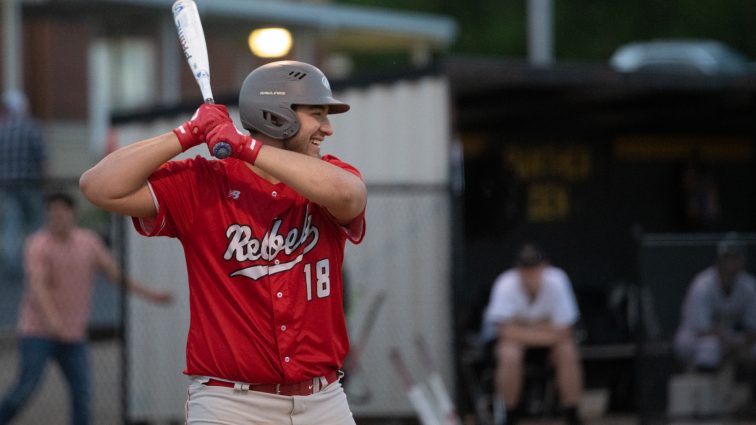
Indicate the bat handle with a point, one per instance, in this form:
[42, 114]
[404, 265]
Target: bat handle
[221, 150]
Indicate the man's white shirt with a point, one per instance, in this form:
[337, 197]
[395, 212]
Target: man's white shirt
[555, 302]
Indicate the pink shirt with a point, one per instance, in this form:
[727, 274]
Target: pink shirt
[68, 269]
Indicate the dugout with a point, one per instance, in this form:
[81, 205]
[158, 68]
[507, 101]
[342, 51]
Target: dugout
[587, 160]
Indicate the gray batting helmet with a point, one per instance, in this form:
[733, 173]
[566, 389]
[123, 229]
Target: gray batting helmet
[268, 94]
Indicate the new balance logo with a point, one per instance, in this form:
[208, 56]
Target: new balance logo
[234, 194]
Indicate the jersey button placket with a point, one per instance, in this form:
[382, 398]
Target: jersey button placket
[281, 316]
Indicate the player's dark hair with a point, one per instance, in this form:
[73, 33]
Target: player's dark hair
[529, 255]
[60, 197]
[731, 246]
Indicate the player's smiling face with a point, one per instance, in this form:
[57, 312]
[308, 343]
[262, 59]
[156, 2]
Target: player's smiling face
[314, 127]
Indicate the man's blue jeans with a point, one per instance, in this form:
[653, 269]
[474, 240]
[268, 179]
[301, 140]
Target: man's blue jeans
[73, 359]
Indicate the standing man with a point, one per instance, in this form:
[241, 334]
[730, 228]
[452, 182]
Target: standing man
[61, 261]
[263, 233]
[534, 309]
[22, 172]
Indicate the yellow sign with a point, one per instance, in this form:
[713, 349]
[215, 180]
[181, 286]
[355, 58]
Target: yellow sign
[548, 202]
[675, 148]
[563, 162]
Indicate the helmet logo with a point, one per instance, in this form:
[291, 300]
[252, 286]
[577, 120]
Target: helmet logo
[324, 80]
[272, 93]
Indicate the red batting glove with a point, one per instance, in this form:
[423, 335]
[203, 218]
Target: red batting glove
[242, 146]
[205, 118]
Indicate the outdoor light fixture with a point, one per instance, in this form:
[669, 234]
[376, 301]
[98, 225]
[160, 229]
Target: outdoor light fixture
[270, 42]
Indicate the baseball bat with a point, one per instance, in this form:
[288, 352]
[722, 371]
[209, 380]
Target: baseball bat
[436, 384]
[419, 399]
[352, 361]
[192, 39]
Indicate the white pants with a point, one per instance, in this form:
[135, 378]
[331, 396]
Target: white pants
[215, 405]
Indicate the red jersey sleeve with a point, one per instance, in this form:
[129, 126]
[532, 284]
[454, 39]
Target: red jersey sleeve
[355, 229]
[175, 188]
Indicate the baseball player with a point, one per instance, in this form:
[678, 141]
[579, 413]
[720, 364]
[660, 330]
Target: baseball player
[263, 233]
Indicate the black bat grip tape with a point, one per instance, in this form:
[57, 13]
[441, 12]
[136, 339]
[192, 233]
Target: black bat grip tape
[221, 150]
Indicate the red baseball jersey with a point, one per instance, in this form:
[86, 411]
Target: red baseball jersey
[265, 271]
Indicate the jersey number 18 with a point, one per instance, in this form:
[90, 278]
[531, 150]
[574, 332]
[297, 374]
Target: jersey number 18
[322, 279]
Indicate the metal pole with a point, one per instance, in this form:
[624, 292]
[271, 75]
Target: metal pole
[11, 35]
[120, 228]
[170, 55]
[540, 32]
[455, 194]
[640, 336]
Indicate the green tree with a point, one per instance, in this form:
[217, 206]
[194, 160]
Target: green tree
[588, 30]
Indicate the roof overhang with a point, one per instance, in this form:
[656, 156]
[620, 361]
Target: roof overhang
[341, 24]
[493, 94]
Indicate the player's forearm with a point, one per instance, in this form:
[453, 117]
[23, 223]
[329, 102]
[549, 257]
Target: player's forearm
[341, 192]
[143, 291]
[709, 332]
[531, 338]
[124, 172]
[114, 275]
[533, 335]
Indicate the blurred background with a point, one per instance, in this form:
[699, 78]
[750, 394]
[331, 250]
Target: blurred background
[620, 135]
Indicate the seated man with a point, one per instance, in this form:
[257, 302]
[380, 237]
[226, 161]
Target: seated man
[719, 313]
[533, 307]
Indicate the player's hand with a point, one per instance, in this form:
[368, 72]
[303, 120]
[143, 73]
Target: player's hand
[205, 118]
[57, 330]
[242, 146]
[161, 297]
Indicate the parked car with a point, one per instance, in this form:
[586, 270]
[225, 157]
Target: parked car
[696, 57]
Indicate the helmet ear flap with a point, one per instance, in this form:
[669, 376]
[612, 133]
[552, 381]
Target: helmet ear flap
[279, 125]
[273, 120]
